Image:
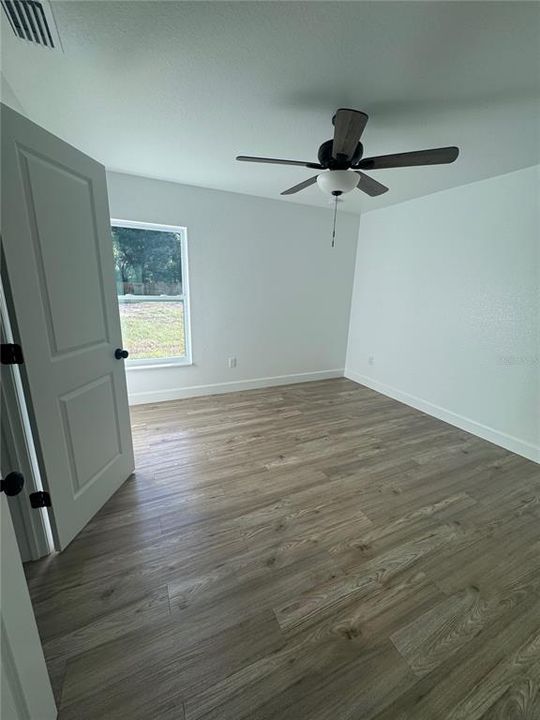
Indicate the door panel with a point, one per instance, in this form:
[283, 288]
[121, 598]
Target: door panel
[48, 191]
[60, 276]
[92, 431]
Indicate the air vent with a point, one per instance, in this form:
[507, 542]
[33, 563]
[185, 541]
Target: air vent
[33, 22]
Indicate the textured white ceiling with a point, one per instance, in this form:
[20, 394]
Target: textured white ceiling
[175, 90]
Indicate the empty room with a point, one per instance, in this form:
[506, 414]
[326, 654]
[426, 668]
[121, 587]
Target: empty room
[270, 398]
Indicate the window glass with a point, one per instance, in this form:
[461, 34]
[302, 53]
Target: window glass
[149, 283]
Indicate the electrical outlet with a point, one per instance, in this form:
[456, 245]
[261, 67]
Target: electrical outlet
[232, 362]
[371, 360]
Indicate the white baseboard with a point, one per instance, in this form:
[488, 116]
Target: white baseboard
[508, 442]
[154, 396]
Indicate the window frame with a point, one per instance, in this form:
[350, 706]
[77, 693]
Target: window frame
[146, 363]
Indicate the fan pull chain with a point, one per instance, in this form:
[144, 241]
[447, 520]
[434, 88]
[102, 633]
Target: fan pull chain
[334, 225]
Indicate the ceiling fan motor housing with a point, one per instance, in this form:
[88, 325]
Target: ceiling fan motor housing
[340, 163]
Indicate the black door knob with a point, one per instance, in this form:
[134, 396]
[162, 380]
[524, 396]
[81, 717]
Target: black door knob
[120, 354]
[12, 484]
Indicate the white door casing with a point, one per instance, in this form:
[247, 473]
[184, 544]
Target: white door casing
[25, 692]
[28, 523]
[17, 453]
[61, 291]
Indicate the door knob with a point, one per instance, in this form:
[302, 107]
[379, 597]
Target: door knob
[120, 354]
[12, 484]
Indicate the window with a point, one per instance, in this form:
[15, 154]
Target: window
[150, 264]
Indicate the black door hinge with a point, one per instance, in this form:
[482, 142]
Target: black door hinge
[11, 354]
[40, 499]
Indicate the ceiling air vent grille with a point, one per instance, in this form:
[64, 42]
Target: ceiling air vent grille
[32, 21]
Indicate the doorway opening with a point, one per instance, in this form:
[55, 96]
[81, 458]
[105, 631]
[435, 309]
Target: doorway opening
[18, 454]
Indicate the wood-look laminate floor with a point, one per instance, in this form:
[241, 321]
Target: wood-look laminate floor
[309, 552]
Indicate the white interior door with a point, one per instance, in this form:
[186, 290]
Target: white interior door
[61, 291]
[26, 692]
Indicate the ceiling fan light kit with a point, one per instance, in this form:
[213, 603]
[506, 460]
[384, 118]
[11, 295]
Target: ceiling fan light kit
[342, 162]
[337, 181]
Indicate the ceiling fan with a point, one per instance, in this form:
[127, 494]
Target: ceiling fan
[342, 162]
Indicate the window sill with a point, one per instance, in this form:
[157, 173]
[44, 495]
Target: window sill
[159, 365]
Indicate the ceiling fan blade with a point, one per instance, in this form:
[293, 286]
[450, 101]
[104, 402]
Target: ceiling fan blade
[370, 186]
[348, 128]
[436, 156]
[300, 186]
[277, 161]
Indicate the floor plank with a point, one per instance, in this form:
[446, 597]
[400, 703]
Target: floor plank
[302, 552]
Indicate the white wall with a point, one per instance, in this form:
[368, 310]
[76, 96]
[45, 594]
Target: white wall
[8, 97]
[266, 287]
[446, 305]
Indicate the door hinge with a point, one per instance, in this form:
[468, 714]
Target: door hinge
[11, 354]
[40, 499]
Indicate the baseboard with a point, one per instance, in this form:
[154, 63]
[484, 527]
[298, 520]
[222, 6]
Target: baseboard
[508, 442]
[154, 396]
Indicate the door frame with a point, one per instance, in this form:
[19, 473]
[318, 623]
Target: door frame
[26, 687]
[32, 526]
